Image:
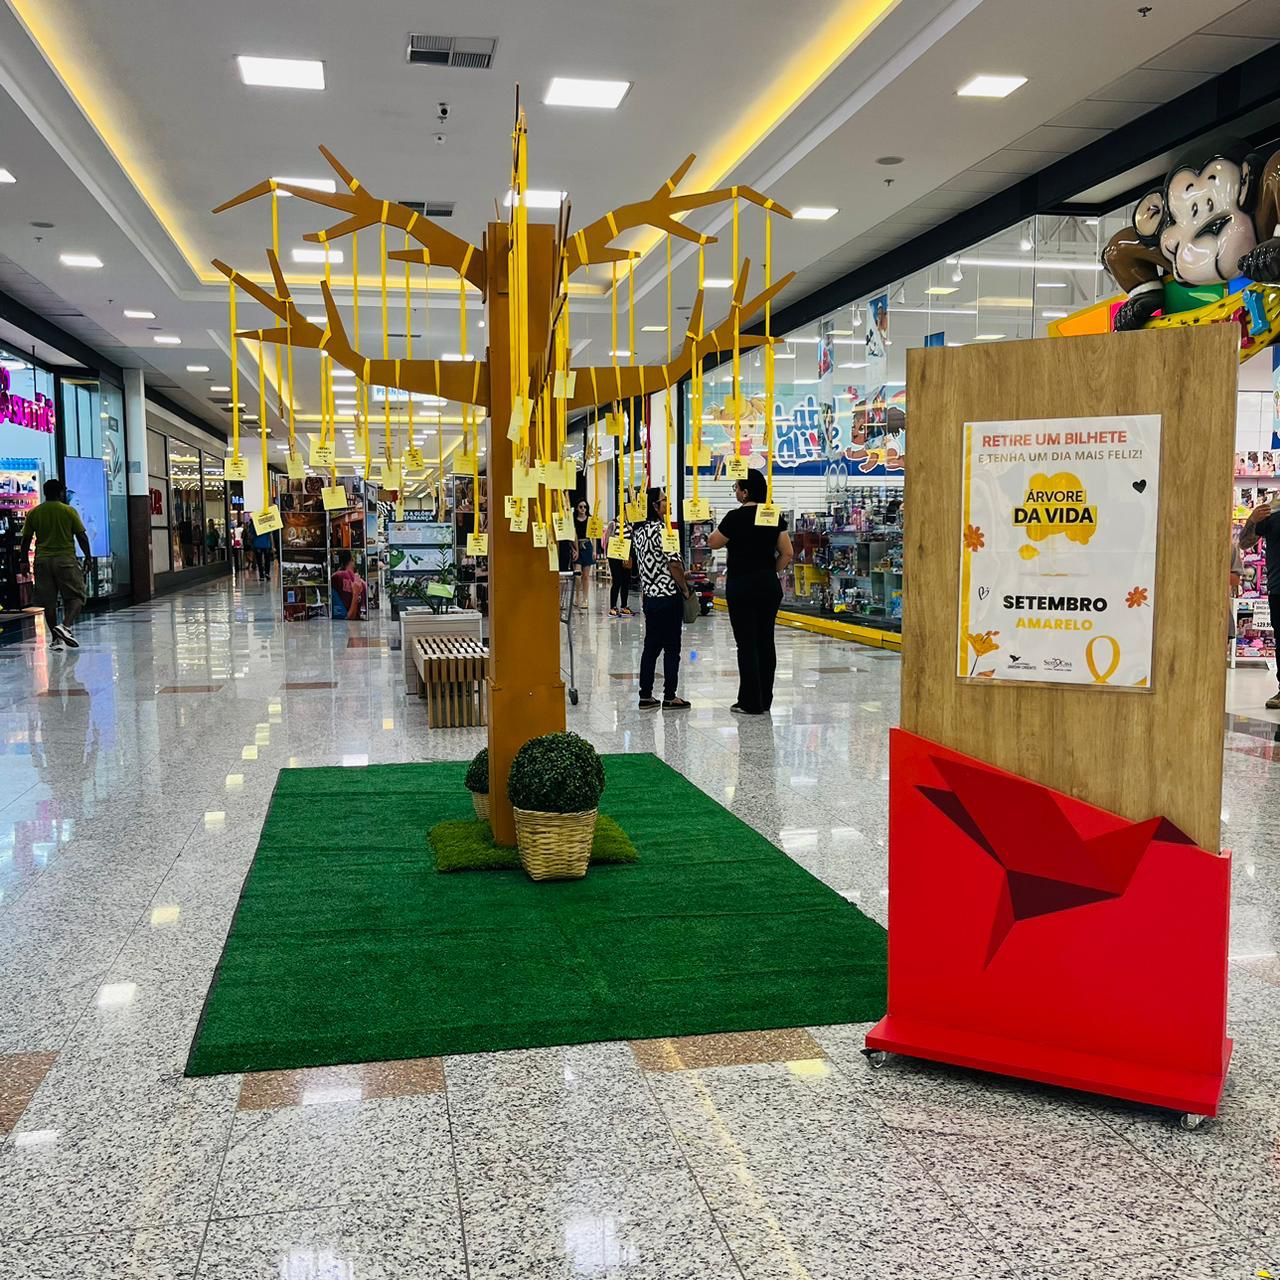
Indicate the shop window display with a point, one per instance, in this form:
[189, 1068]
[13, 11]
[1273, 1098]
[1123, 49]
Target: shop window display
[186, 497]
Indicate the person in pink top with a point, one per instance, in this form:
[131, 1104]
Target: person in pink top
[349, 588]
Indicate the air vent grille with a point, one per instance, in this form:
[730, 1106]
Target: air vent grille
[429, 208]
[470, 53]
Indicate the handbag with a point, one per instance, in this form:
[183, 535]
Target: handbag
[692, 607]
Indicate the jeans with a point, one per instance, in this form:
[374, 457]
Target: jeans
[59, 575]
[753, 611]
[663, 620]
[620, 575]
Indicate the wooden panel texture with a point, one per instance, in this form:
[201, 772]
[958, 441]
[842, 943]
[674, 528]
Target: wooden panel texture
[1137, 754]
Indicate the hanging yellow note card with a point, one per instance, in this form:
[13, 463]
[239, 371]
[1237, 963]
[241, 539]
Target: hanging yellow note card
[637, 510]
[463, 463]
[374, 473]
[295, 467]
[321, 455]
[697, 509]
[704, 456]
[595, 527]
[563, 386]
[519, 418]
[540, 469]
[267, 520]
[477, 544]
[334, 497]
[392, 475]
[671, 542]
[236, 469]
[736, 468]
[509, 507]
[524, 483]
[553, 557]
[617, 424]
[399, 508]
[414, 460]
[563, 525]
[619, 547]
[539, 534]
[520, 521]
[570, 467]
[768, 514]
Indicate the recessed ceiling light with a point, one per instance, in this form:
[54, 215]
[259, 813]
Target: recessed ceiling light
[622, 355]
[219, 388]
[197, 368]
[139, 315]
[784, 355]
[990, 86]
[566, 91]
[454, 355]
[312, 184]
[653, 328]
[80, 260]
[1051, 284]
[317, 255]
[344, 373]
[941, 290]
[988, 337]
[316, 319]
[537, 198]
[1055, 315]
[6, 176]
[281, 73]
[480, 324]
[815, 213]
[345, 404]
[717, 282]
[889, 160]
[168, 339]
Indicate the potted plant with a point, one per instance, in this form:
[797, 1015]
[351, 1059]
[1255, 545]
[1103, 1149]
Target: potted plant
[555, 786]
[477, 782]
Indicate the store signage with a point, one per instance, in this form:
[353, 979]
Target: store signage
[1058, 551]
[37, 414]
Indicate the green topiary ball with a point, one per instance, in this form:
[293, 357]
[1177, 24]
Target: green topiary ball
[556, 773]
[478, 773]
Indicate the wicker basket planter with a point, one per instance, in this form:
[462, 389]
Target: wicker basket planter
[555, 846]
[480, 802]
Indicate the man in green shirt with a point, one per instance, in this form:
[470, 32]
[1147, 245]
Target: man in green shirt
[53, 524]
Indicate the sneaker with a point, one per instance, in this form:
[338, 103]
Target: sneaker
[613, 613]
[57, 646]
[628, 613]
[64, 634]
[739, 710]
[675, 704]
[1273, 703]
[649, 704]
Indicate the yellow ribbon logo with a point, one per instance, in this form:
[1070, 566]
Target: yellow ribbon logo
[1101, 677]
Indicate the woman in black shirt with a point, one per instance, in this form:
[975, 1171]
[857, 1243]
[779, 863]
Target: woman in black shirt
[757, 554]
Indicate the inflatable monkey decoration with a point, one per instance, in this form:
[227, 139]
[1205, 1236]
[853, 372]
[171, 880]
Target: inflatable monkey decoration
[1216, 217]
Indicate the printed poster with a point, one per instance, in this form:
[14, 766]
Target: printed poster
[1058, 550]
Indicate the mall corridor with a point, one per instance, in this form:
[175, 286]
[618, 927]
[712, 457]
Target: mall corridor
[135, 776]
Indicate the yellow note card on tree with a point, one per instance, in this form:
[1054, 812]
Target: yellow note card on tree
[520, 521]
[524, 484]
[267, 520]
[704, 456]
[564, 384]
[236, 469]
[697, 509]
[295, 468]
[392, 475]
[477, 544]
[595, 527]
[519, 418]
[671, 542]
[619, 547]
[334, 497]
[553, 556]
[463, 464]
[509, 505]
[414, 460]
[736, 468]
[321, 455]
[539, 534]
[540, 470]
[766, 514]
[637, 510]
[617, 425]
[563, 525]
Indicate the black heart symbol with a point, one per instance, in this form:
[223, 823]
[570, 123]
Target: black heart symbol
[1140, 486]
[983, 592]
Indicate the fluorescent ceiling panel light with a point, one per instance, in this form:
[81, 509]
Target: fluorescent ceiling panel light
[197, 368]
[168, 339]
[455, 355]
[316, 319]
[1051, 284]
[653, 328]
[717, 282]
[80, 260]
[815, 213]
[988, 337]
[621, 355]
[941, 290]
[344, 373]
[1055, 315]
[219, 388]
[784, 355]
[6, 176]
[603, 95]
[139, 315]
[537, 198]
[281, 73]
[1082, 264]
[311, 184]
[985, 86]
[317, 255]
[1001, 300]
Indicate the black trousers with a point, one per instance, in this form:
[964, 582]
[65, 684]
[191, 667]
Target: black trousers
[753, 612]
[620, 584]
[1274, 601]
[663, 620]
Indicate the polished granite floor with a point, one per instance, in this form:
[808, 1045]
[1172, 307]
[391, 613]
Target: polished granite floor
[134, 777]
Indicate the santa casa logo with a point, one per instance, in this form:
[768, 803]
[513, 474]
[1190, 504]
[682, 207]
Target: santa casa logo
[1056, 664]
[1056, 504]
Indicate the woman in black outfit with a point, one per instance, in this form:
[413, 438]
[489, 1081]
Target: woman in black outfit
[757, 555]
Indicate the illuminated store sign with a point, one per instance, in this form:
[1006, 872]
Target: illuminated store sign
[37, 414]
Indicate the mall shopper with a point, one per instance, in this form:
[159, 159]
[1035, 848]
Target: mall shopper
[586, 549]
[1264, 523]
[237, 547]
[54, 525]
[665, 589]
[619, 575]
[211, 540]
[757, 554]
[264, 549]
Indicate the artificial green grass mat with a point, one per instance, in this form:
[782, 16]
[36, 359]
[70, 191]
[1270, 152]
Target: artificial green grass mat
[348, 947]
[461, 845]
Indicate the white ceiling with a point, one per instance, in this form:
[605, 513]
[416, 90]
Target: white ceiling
[174, 132]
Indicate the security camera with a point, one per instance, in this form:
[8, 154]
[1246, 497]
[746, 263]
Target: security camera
[442, 111]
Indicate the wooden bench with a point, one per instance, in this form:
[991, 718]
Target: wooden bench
[451, 675]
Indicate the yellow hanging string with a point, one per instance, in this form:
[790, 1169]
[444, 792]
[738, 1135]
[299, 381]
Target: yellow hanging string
[768, 352]
[386, 347]
[737, 341]
[595, 461]
[696, 383]
[440, 502]
[362, 389]
[671, 515]
[521, 347]
[275, 245]
[613, 329]
[262, 430]
[470, 428]
[328, 416]
[408, 332]
[631, 348]
[235, 378]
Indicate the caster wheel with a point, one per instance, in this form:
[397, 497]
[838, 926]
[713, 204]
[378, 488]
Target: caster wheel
[1189, 1121]
[573, 696]
[876, 1058]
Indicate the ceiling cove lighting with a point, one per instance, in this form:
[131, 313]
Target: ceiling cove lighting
[1041, 264]
[281, 73]
[717, 282]
[456, 355]
[219, 388]
[537, 198]
[312, 184]
[603, 95]
[620, 355]
[168, 339]
[941, 290]
[318, 255]
[197, 368]
[985, 86]
[653, 328]
[139, 315]
[6, 176]
[90, 260]
[814, 213]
